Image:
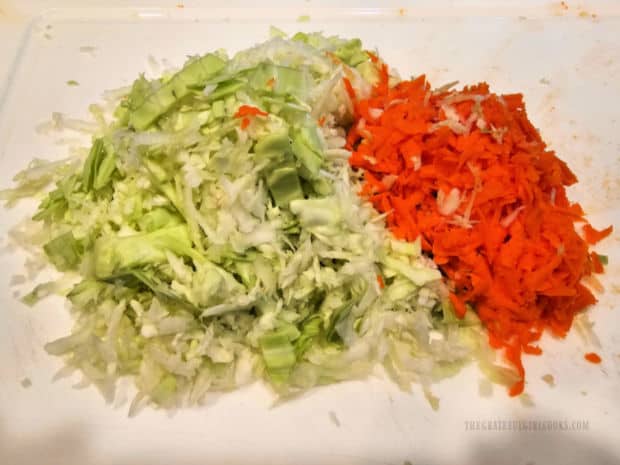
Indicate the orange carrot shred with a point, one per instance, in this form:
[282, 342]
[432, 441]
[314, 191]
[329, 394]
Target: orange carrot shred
[248, 110]
[245, 122]
[592, 357]
[471, 176]
[593, 236]
[321, 121]
[380, 281]
[349, 88]
[459, 306]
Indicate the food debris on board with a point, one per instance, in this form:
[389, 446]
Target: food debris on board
[549, 379]
[296, 213]
[89, 50]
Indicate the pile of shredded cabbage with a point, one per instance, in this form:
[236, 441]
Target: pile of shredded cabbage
[218, 237]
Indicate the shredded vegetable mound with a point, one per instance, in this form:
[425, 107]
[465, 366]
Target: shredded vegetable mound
[467, 173]
[216, 236]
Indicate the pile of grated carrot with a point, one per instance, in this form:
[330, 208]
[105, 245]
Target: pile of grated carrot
[468, 173]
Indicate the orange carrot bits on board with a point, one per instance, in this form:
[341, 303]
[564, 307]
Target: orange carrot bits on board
[593, 236]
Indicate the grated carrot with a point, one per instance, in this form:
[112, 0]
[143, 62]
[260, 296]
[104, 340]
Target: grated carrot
[471, 176]
[593, 236]
[248, 110]
[593, 357]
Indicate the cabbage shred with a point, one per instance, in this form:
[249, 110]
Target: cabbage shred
[215, 249]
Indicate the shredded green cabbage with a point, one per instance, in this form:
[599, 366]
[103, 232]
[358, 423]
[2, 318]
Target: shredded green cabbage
[214, 250]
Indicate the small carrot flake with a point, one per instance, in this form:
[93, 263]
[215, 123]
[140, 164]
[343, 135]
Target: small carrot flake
[380, 281]
[245, 122]
[321, 121]
[593, 236]
[248, 110]
[592, 357]
[458, 304]
[349, 88]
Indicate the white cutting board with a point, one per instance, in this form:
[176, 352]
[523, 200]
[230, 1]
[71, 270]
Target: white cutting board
[566, 62]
